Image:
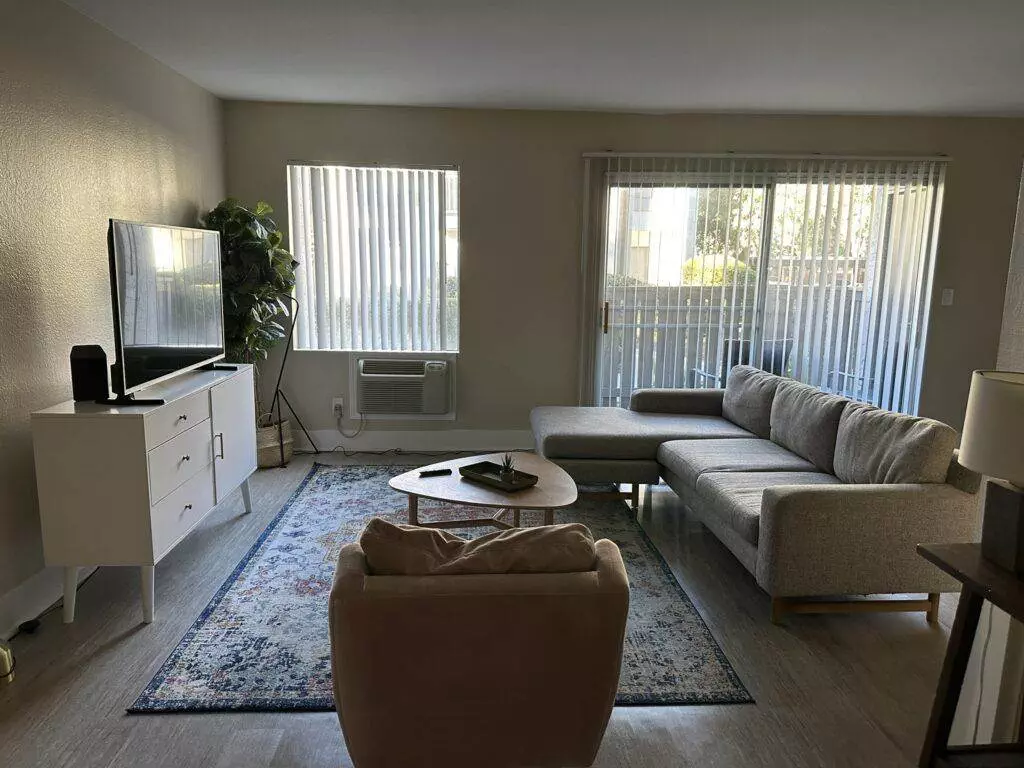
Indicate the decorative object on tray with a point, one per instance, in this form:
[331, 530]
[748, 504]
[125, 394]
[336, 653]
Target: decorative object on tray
[503, 476]
[508, 469]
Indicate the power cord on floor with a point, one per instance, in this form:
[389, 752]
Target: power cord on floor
[359, 429]
[30, 626]
[403, 452]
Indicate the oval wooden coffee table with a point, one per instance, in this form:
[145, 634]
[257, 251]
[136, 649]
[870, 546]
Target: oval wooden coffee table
[554, 489]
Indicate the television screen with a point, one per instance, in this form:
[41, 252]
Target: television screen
[168, 305]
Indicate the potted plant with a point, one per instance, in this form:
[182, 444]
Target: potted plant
[258, 275]
[507, 474]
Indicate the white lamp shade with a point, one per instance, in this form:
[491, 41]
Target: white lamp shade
[993, 439]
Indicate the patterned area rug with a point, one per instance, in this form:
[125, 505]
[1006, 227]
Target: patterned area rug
[262, 642]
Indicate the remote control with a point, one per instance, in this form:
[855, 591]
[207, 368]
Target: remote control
[435, 472]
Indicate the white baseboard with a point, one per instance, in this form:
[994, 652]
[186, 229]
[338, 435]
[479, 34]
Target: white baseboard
[481, 440]
[32, 597]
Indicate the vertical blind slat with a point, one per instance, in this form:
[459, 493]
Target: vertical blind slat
[371, 245]
[816, 269]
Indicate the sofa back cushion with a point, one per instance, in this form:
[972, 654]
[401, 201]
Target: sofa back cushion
[409, 550]
[747, 402]
[876, 446]
[806, 421]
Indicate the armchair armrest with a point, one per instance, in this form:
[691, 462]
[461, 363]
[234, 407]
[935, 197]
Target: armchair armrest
[858, 539]
[699, 402]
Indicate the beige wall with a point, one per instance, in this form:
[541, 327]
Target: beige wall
[1011, 340]
[521, 197]
[90, 128]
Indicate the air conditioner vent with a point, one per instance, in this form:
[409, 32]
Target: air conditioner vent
[403, 387]
[399, 367]
[391, 397]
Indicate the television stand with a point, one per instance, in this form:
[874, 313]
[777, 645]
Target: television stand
[173, 463]
[217, 367]
[128, 400]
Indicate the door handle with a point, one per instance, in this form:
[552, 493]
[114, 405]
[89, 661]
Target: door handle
[221, 436]
[604, 318]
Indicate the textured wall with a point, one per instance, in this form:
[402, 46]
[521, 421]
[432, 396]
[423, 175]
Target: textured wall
[90, 128]
[521, 195]
[1011, 340]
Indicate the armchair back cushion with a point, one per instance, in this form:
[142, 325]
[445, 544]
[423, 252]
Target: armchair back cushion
[747, 402]
[876, 446]
[806, 421]
[409, 550]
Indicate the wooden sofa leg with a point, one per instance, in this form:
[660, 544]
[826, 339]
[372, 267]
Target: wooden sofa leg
[778, 610]
[634, 497]
[784, 605]
[933, 612]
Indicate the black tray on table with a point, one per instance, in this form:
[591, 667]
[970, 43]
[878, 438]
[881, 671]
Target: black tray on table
[489, 473]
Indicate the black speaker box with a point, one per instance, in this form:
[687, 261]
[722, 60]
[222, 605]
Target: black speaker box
[89, 372]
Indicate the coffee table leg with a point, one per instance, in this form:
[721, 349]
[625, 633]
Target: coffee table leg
[549, 517]
[414, 505]
[515, 518]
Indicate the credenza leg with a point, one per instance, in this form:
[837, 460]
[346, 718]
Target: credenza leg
[246, 498]
[148, 573]
[70, 592]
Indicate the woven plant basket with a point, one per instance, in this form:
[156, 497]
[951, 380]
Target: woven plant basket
[268, 449]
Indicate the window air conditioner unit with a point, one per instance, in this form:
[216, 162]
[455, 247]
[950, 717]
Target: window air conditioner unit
[399, 387]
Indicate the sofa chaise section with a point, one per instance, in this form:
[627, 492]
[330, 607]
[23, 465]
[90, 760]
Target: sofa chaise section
[620, 445]
[819, 497]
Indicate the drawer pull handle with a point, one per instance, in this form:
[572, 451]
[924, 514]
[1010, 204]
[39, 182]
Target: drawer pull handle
[188, 506]
[186, 457]
[183, 417]
[221, 436]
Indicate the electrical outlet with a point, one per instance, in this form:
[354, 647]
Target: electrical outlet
[338, 407]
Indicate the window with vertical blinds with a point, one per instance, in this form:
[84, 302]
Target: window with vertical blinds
[378, 256]
[818, 269]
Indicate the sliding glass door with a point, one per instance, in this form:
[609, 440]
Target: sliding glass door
[815, 269]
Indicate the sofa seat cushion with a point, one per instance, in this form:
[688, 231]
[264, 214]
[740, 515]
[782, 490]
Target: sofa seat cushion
[689, 459]
[806, 420]
[735, 497]
[570, 432]
[877, 446]
[748, 397]
[409, 550]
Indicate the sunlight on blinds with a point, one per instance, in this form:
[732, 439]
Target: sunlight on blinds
[815, 269]
[378, 255]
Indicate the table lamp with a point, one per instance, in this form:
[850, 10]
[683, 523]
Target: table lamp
[993, 444]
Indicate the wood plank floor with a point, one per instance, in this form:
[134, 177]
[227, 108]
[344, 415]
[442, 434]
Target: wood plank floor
[843, 690]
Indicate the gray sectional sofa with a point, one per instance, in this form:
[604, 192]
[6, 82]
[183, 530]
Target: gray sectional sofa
[819, 497]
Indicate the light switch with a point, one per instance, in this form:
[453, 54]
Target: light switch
[947, 297]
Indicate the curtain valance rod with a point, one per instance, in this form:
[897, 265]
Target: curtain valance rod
[745, 156]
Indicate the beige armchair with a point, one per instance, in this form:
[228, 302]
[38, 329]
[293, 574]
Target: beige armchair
[488, 670]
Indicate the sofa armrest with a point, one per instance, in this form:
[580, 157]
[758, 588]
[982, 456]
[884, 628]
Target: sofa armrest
[859, 539]
[699, 402]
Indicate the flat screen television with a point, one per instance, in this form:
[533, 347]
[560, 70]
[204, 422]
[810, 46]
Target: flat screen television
[165, 285]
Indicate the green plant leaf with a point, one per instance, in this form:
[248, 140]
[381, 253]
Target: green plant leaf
[258, 276]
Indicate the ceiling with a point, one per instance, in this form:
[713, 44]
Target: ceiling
[847, 56]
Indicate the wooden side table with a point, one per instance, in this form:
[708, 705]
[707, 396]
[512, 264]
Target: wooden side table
[982, 580]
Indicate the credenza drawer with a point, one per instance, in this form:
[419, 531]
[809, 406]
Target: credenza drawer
[179, 459]
[176, 417]
[181, 510]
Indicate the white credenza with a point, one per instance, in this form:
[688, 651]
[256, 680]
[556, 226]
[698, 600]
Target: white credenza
[122, 485]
